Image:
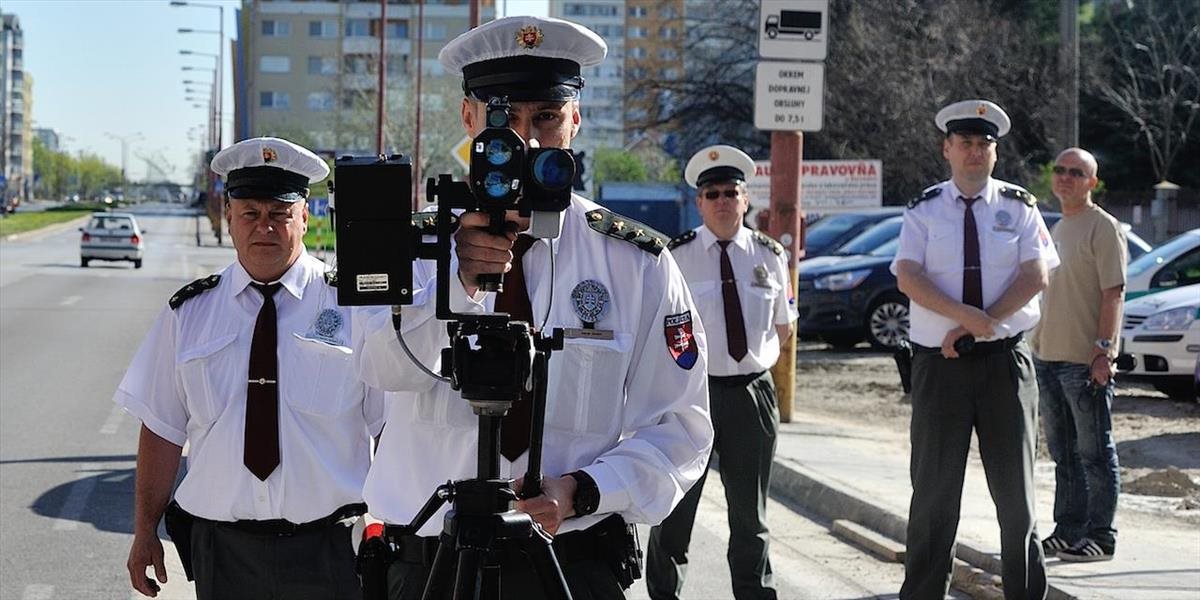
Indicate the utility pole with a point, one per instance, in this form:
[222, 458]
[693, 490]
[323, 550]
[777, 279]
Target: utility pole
[382, 94]
[416, 161]
[1068, 69]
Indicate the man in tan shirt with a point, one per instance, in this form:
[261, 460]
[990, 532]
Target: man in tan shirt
[1074, 346]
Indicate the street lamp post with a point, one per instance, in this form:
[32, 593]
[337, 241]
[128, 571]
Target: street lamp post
[125, 140]
[215, 207]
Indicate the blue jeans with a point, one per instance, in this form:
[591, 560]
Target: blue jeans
[1077, 417]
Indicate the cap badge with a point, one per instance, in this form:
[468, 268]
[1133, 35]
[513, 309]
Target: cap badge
[713, 155]
[269, 155]
[591, 300]
[530, 37]
[981, 109]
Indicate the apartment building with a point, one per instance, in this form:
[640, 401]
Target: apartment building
[604, 84]
[304, 69]
[16, 116]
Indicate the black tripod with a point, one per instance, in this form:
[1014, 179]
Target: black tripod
[479, 527]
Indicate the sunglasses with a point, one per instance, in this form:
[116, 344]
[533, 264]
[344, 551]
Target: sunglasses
[714, 194]
[1073, 171]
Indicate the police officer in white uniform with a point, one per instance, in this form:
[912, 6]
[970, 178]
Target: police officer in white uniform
[253, 368]
[974, 254]
[627, 429]
[739, 279]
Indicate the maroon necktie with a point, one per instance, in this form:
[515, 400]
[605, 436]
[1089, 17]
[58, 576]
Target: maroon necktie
[972, 277]
[514, 300]
[261, 446]
[735, 326]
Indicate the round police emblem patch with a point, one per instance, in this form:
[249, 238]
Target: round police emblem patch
[1003, 219]
[591, 300]
[329, 321]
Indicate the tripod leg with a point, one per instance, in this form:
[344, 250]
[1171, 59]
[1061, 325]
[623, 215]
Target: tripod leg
[470, 570]
[545, 564]
[440, 571]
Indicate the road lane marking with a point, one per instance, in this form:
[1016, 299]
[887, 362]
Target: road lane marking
[72, 510]
[69, 300]
[114, 420]
[38, 591]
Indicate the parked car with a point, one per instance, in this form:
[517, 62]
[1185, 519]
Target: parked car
[875, 236]
[827, 234]
[852, 298]
[1173, 264]
[111, 236]
[1135, 245]
[1161, 334]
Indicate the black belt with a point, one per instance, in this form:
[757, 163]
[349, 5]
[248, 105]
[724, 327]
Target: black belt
[735, 380]
[571, 547]
[282, 527]
[980, 348]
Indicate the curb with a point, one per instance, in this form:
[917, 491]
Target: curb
[832, 501]
[47, 230]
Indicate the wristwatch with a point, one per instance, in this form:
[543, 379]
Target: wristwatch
[587, 494]
[1104, 344]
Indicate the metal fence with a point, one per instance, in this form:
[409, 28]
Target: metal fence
[1181, 214]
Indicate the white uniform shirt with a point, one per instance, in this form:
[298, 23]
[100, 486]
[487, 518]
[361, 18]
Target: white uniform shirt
[763, 287]
[1010, 233]
[187, 383]
[623, 410]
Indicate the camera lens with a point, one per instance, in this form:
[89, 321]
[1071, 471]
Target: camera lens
[496, 184]
[498, 152]
[554, 169]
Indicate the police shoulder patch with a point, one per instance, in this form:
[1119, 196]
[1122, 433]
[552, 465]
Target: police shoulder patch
[769, 242]
[193, 289]
[929, 193]
[1019, 195]
[639, 234]
[681, 239]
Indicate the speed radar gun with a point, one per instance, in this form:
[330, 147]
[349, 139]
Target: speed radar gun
[491, 359]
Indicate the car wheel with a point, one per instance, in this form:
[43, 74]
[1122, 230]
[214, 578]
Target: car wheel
[137, 263]
[83, 262]
[1180, 391]
[887, 321]
[841, 341]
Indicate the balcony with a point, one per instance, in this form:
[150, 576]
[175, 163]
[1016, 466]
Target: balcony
[370, 45]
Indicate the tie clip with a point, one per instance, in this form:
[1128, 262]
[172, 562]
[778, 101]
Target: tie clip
[262, 381]
[971, 268]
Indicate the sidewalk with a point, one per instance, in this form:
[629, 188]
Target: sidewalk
[845, 471]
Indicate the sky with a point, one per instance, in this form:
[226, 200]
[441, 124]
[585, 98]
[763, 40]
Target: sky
[108, 69]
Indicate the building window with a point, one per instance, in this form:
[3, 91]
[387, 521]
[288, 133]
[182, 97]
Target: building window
[638, 11]
[636, 31]
[322, 29]
[668, 12]
[274, 64]
[358, 28]
[397, 30]
[397, 64]
[434, 31]
[589, 10]
[668, 54]
[320, 101]
[357, 64]
[636, 52]
[273, 100]
[670, 73]
[272, 28]
[322, 65]
[637, 73]
[667, 33]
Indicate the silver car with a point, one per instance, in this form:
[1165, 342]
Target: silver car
[111, 236]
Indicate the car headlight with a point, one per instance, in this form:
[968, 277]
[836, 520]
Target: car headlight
[1171, 320]
[846, 280]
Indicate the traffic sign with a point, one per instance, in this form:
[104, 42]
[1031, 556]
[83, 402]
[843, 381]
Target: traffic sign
[789, 96]
[793, 29]
[462, 152]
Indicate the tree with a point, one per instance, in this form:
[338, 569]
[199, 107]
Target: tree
[617, 165]
[1151, 76]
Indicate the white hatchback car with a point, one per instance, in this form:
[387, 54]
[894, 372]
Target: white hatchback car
[111, 236]
[1162, 334]
[1173, 264]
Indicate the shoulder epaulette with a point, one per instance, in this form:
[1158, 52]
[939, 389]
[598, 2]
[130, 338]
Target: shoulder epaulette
[1019, 195]
[769, 242]
[331, 277]
[932, 192]
[425, 223]
[613, 225]
[193, 289]
[681, 239]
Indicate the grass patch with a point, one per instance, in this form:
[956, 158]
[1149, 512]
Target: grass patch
[320, 236]
[29, 221]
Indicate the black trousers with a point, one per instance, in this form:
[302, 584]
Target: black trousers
[588, 579]
[995, 395]
[316, 564]
[745, 418]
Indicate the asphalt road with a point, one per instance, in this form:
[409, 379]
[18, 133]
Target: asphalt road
[67, 455]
